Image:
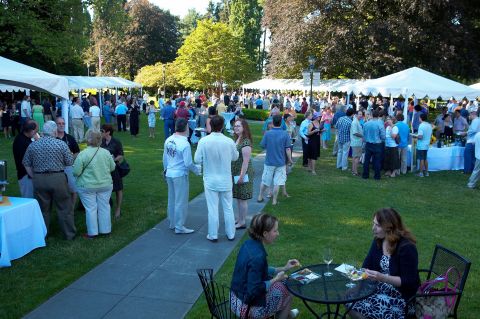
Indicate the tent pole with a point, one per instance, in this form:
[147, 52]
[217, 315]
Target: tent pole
[100, 104]
[65, 112]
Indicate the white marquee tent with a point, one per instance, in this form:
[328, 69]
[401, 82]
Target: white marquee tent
[99, 82]
[475, 86]
[14, 74]
[336, 85]
[415, 82]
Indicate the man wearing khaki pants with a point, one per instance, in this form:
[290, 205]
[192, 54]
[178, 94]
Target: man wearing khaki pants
[77, 120]
[94, 113]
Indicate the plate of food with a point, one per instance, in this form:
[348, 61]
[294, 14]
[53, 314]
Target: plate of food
[305, 276]
[357, 274]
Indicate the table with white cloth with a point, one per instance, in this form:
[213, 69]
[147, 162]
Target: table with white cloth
[22, 229]
[228, 116]
[442, 159]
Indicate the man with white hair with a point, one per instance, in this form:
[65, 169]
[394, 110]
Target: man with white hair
[45, 161]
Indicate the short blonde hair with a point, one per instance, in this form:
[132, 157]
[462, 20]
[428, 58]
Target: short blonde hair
[93, 138]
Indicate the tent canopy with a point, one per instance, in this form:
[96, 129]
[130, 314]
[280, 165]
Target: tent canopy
[415, 81]
[475, 86]
[99, 82]
[336, 85]
[16, 74]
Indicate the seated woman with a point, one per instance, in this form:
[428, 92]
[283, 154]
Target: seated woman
[256, 287]
[393, 262]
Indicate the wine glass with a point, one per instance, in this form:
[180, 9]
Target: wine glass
[327, 258]
[350, 268]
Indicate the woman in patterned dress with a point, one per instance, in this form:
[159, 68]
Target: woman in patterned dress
[393, 262]
[327, 118]
[243, 170]
[257, 288]
[151, 110]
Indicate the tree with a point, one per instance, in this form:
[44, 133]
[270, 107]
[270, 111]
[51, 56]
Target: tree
[46, 34]
[151, 76]
[374, 38]
[245, 22]
[108, 36]
[151, 36]
[189, 22]
[212, 56]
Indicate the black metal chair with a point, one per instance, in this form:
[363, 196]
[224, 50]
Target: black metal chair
[216, 294]
[442, 260]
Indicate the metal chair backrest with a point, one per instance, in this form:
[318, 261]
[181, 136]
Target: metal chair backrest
[442, 260]
[217, 295]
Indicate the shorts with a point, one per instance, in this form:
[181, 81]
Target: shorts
[72, 187]
[274, 175]
[356, 151]
[422, 154]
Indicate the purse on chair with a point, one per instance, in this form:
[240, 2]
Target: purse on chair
[438, 297]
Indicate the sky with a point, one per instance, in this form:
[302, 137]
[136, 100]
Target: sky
[180, 7]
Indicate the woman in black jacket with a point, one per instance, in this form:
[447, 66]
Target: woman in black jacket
[393, 262]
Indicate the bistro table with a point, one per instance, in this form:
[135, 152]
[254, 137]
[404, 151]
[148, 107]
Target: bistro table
[22, 229]
[330, 291]
[228, 116]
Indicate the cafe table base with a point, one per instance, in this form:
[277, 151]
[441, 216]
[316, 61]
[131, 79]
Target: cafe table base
[330, 292]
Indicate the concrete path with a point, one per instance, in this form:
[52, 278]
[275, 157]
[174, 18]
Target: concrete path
[155, 275]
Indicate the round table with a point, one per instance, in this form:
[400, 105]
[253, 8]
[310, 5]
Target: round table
[330, 291]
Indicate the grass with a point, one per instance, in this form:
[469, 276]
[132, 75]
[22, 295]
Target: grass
[335, 209]
[332, 209]
[37, 276]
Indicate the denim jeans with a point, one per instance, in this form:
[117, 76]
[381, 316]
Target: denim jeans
[374, 151]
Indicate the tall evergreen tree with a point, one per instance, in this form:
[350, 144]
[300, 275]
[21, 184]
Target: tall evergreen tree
[245, 21]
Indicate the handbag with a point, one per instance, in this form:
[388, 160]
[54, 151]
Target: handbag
[435, 306]
[123, 168]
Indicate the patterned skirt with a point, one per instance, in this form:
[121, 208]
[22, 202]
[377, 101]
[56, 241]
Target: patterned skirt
[277, 299]
[151, 120]
[386, 303]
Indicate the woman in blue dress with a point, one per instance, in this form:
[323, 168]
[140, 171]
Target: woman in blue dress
[393, 262]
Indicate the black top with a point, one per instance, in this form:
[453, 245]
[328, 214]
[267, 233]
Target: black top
[330, 290]
[403, 263]
[20, 145]
[71, 143]
[114, 147]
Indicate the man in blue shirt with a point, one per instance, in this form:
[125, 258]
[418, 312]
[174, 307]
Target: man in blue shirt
[277, 144]
[423, 143]
[121, 113]
[403, 131]
[374, 135]
[343, 136]
[168, 113]
[259, 103]
[338, 114]
[303, 134]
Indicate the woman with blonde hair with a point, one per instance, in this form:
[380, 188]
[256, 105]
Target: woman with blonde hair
[92, 168]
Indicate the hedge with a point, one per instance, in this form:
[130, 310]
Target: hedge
[262, 115]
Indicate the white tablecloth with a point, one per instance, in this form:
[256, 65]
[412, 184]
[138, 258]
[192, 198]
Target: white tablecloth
[442, 159]
[22, 229]
[228, 116]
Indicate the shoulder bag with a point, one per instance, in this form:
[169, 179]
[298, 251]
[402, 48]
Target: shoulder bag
[436, 306]
[83, 170]
[123, 168]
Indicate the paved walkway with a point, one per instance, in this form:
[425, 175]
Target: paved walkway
[155, 275]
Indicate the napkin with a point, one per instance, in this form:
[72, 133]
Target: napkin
[343, 268]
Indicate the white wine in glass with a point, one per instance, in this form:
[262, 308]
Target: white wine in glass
[327, 258]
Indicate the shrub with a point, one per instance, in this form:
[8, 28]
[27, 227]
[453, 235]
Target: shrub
[256, 115]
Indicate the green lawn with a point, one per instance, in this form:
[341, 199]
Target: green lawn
[34, 278]
[335, 209]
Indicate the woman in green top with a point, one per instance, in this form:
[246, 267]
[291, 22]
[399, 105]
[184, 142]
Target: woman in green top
[37, 115]
[92, 168]
[242, 171]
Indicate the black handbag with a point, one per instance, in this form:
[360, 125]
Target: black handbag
[123, 168]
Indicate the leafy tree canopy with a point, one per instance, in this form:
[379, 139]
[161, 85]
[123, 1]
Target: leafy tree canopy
[212, 56]
[374, 38]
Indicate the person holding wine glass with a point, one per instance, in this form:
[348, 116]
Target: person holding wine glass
[393, 262]
[258, 290]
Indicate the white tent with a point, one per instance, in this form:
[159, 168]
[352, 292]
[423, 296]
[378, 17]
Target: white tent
[16, 74]
[335, 85]
[98, 82]
[417, 82]
[475, 86]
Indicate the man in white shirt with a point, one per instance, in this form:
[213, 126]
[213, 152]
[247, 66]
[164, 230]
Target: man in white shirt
[94, 112]
[216, 152]
[469, 152]
[25, 110]
[77, 120]
[177, 162]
